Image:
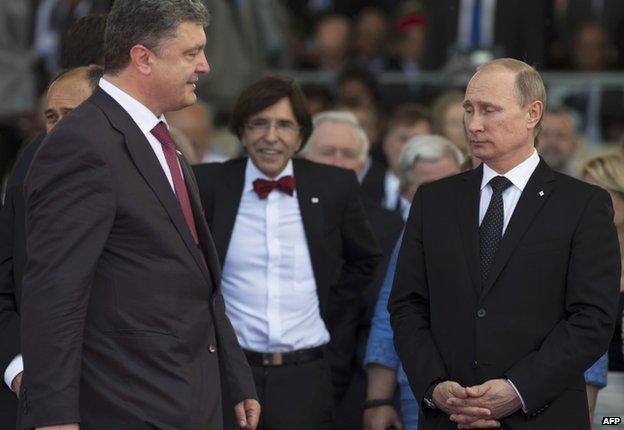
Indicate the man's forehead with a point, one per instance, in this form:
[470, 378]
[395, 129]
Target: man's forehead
[491, 85]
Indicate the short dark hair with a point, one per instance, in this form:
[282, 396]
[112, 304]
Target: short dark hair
[83, 43]
[92, 73]
[363, 75]
[265, 92]
[408, 114]
[147, 23]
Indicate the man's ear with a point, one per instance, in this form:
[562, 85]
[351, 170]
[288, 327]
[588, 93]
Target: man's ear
[141, 59]
[534, 113]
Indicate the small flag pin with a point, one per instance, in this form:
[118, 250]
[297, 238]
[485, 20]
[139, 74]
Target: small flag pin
[541, 193]
[315, 200]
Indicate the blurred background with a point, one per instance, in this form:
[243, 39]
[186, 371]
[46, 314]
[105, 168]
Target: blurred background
[367, 56]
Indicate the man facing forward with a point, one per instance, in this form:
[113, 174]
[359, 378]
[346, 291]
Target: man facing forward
[507, 280]
[123, 322]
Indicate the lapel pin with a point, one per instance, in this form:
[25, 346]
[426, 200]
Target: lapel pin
[315, 200]
[541, 193]
[179, 153]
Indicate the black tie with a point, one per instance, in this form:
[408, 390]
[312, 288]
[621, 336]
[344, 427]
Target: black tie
[491, 229]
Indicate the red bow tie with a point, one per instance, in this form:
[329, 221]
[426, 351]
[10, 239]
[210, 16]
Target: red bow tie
[262, 187]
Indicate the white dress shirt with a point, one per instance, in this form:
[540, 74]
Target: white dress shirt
[268, 282]
[519, 176]
[391, 191]
[146, 121]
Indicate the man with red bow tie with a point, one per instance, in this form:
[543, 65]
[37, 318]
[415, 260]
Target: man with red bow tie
[297, 251]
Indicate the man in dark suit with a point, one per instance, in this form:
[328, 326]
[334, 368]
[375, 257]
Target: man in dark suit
[297, 252]
[123, 322]
[507, 280]
[65, 93]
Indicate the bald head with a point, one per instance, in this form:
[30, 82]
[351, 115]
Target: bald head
[68, 91]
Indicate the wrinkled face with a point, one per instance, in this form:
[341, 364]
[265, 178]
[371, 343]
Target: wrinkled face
[424, 171]
[397, 138]
[557, 141]
[176, 67]
[336, 143]
[271, 137]
[453, 127]
[500, 131]
[63, 97]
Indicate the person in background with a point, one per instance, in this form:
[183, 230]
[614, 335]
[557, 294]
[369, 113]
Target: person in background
[406, 121]
[447, 118]
[339, 140]
[607, 171]
[558, 142]
[424, 159]
[330, 45]
[65, 93]
[196, 123]
[82, 44]
[297, 252]
[370, 39]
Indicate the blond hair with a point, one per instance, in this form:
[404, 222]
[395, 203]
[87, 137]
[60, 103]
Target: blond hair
[606, 170]
[529, 86]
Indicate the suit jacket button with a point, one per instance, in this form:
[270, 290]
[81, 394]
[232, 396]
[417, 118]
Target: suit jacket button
[481, 313]
[212, 349]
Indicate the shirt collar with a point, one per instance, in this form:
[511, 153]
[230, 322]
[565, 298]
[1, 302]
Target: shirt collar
[519, 175]
[142, 116]
[252, 173]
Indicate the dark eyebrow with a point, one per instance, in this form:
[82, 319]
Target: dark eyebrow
[466, 104]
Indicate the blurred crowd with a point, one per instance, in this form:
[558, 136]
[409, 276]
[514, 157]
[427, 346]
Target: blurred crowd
[366, 54]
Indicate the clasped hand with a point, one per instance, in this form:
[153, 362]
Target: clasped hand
[479, 406]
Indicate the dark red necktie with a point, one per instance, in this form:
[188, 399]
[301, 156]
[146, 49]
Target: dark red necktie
[285, 184]
[162, 134]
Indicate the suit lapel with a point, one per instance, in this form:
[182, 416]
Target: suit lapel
[149, 167]
[205, 238]
[228, 195]
[468, 201]
[531, 200]
[310, 205]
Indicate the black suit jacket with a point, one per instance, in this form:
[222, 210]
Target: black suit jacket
[545, 314]
[120, 309]
[342, 247]
[12, 261]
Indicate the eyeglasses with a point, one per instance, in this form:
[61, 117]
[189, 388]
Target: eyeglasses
[283, 127]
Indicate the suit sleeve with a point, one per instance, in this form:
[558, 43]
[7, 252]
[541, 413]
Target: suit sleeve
[409, 309]
[70, 208]
[591, 300]
[9, 318]
[361, 255]
[236, 371]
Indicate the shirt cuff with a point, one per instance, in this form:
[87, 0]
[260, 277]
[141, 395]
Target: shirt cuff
[524, 408]
[15, 367]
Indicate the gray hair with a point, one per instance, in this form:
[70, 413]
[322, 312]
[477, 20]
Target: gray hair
[342, 117]
[147, 23]
[428, 147]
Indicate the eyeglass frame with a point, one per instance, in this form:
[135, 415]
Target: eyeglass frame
[264, 128]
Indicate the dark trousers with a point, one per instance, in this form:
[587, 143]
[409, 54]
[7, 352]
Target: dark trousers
[295, 396]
